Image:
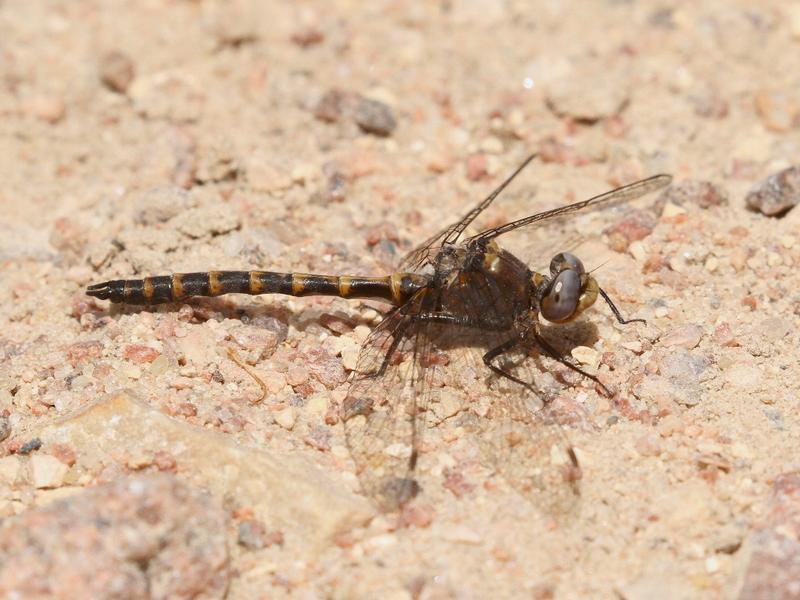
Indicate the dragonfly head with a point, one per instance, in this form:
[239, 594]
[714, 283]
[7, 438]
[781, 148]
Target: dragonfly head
[567, 292]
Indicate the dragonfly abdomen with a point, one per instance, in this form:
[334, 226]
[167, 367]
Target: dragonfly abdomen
[395, 288]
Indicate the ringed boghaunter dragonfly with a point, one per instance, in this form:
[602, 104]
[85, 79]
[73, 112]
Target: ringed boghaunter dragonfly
[464, 316]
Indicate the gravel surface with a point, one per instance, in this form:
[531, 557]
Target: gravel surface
[144, 138]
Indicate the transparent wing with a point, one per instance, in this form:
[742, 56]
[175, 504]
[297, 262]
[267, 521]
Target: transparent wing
[516, 428]
[384, 408]
[619, 195]
[521, 436]
[517, 431]
[426, 252]
[413, 373]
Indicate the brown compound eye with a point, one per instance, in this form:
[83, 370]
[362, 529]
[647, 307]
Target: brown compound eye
[565, 261]
[562, 298]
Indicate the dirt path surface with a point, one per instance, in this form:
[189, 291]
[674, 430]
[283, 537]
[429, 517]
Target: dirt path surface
[175, 136]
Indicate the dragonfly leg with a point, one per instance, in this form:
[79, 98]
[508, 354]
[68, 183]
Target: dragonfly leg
[616, 312]
[447, 318]
[498, 351]
[553, 353]
[432, 317]
[397, 336]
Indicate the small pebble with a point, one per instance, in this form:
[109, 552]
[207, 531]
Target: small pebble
[633, 228]
[491, 145]
[47, 471]
[586, 95]
[777, 109]
[776, 194]
[711, 105]
[685, 336]
[251, 534]
[635, 346]
[416, 515]
[307, 37]
[265, 175]
[448, 405]
[586, 356]
[303, 173]
[285, 418]
[5, 428]
[317, 404]
[712, 564]
[374, 117]
[10, 467]
[131, 371]
[477, 167]
[331, 106]
[701, 193]
[30, 446]
[638, 251]
[648, 445]
[47, 108]
[296, 375]
[462, 534]
[116, 71]
[350, 358]
[139, 353]
[672, 210]
[669, 425]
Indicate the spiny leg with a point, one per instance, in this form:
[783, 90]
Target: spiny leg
[498, 351]
[397, 337]
[616, 312]
[553, 353]
[447, 318]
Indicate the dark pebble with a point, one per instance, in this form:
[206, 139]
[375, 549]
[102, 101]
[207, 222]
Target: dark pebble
[251, 534]
[371, 116]
[636, 226]
[774, 550]
[331, 106]
[5, 428]
[776, 194]
[308, 36]
[30, 446]
[702, 193]
[116, 71]
[374, 117]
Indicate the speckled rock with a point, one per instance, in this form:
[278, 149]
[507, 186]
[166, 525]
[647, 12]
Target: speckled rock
[774, 549]
[776, 194]
[144, 537]
[284, 491]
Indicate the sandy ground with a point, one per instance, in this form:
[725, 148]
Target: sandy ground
[160, 136]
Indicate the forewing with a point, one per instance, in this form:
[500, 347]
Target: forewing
[619, 195]
[385, 406]
[425, 253]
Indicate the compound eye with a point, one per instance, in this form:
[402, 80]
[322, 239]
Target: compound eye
[563, 261]
[561, 300]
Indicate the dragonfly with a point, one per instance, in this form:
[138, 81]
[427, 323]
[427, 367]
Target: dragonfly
[459, 341]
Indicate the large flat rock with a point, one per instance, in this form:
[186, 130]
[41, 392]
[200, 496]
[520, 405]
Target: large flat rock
[284, 491]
